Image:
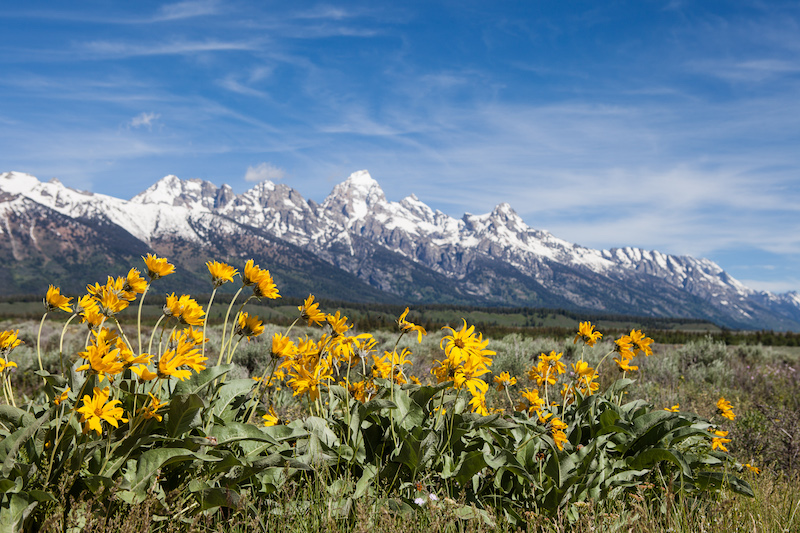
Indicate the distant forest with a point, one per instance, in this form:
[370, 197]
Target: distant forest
[493, 322]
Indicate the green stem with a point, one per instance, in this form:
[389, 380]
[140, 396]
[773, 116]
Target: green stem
[61, 343]
[205, 321]
[153, 334]
[39, 343]
[139, 318]
[225, 325]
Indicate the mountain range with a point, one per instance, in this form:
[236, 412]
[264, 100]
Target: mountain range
[357, 246]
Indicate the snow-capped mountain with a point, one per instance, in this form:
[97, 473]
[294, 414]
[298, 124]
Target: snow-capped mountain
[405, 249]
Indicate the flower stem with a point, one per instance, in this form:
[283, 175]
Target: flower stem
[208, 309]
[61, 343]
[139, 318]
[39, 343]
[225, 325]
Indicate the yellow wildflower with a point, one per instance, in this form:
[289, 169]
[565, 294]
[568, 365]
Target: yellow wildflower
[220, 273]
[338, 323]
[674, 409]
[157, 267]
[504, 380]
[265, 287]
[97, 408]
[249, 326]
[9, 340]
[753, 469]
[61, 397]
[586, 333]
[725, 408]
[54, 300]
[641, 343]
[624, 347]
[409, 326]
[624, 364]
[151, 409]
[718, 442]
[270, 418]
[310, 311]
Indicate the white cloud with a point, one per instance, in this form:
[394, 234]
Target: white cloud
[144, 119]
[264, 171]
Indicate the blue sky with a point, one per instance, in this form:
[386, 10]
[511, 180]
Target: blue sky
[669, 125]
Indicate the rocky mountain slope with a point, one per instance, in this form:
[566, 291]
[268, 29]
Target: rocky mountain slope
[359, 246]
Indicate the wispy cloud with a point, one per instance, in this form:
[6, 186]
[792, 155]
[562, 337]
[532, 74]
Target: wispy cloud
[144, 119]
[112, 49]
[264, 171]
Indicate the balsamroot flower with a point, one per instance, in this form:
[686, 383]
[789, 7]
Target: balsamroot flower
[102, 356]
[8, 341]
[338, 323]
[134, 283]
[674, 409]
[157, 267]
[641, 343]
[310, 311]
[624, 364]
[54, 300]
[270, 418]
[586, 333]
[249, 326]
[185, 309]
[6, 364]
[624, 347]
[151, 409]
[718, 442]
[504, 380]
[405, 326]
[221, 273]
[97, 408]
[265, 287]
[725, 408]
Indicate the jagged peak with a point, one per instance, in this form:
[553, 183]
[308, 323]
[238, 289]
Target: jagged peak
[172, 190]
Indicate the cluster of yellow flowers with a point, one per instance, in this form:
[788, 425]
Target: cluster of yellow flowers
[466, 360]
[109, 354]
[629, 346]
[8, 341]
[306, 364]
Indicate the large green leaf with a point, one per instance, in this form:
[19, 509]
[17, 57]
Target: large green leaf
[183, 414]
[232, 392]
[148, 467]
[197, 382]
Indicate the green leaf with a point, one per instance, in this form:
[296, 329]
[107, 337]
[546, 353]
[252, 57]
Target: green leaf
[236, 431]
[364, 483]
[210, 498]
[10, 415]
[149, 465]
[20, 437]
[229, 393]
[469, 464]
[183, 414]
[649, 458]
[197, 382]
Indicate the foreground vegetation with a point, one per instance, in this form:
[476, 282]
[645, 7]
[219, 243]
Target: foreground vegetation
[180, 425]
